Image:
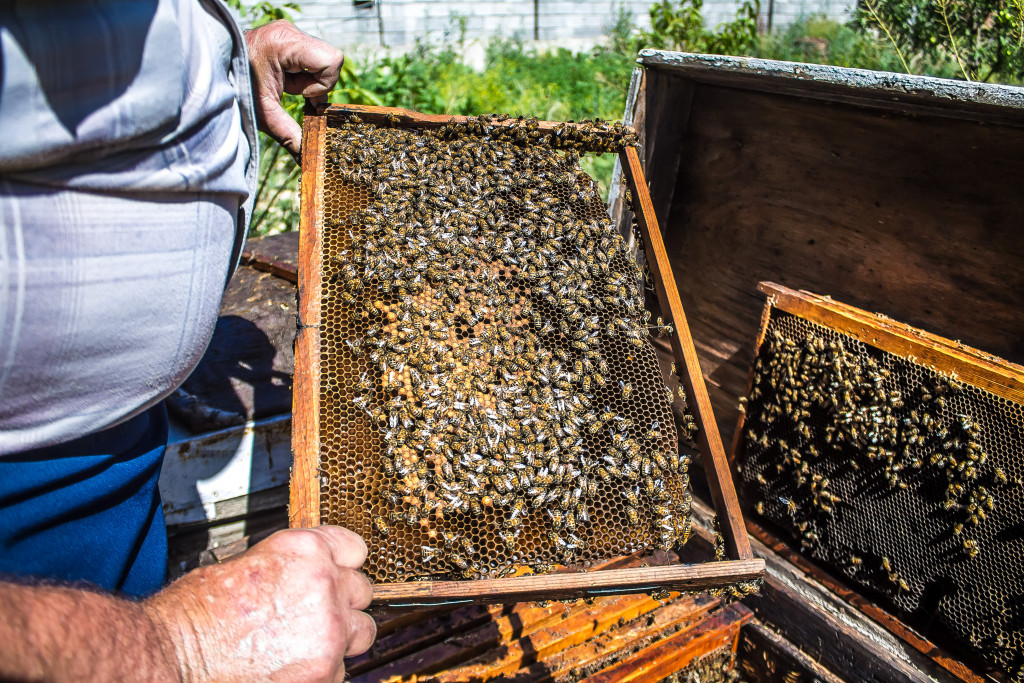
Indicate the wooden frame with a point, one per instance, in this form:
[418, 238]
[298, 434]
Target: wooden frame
[305, 486]
[998, 376]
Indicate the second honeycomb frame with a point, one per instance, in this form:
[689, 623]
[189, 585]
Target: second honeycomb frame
[304, 508]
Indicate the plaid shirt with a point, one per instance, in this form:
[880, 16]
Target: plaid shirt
[128, 155]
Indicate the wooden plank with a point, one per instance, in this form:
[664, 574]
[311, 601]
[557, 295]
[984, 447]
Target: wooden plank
[890, 92]
[504, 625]
[594, 654]
[338, 113]
[715, 462]
[569, 585]
[943, 355]
[391, 646]
[423, 634]
[866, 607]
[634, 115]
[276, 254]
[665, 657]
[574, 629]
[304, 509]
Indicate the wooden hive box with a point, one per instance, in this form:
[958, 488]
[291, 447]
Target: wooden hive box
[892, 193]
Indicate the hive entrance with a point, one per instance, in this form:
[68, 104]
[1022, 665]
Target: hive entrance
[488, 396]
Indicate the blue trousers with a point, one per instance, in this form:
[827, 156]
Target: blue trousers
[88, 511]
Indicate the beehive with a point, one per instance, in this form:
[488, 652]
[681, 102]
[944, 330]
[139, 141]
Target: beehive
[486, 398]
[894, 458]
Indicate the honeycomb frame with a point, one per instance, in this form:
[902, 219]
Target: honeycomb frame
[890, 457]
[308, 477]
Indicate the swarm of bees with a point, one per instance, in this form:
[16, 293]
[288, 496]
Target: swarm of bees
[890, 471]
[828, 400]
[503, 340]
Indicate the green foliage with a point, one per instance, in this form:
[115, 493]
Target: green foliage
[680, 26]
[823, 41]
[260, 13]
[426, 79]
[984, 38]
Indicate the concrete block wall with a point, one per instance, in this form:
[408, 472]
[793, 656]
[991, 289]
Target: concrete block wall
[577, 24]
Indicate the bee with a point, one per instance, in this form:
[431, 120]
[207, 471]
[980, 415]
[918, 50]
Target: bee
[508, 538]
[381, 526]
[633, 515]
[626, 388]
[631, 496]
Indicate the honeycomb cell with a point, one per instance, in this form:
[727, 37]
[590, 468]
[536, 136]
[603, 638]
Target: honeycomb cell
[488, 394]
[906, 481]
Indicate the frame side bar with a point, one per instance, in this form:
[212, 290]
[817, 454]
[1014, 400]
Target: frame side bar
[715, 462]
[304, 501]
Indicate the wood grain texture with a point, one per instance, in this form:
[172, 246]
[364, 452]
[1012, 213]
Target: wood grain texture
[635, 115]
[667, 105]
[573, 627]
[713, 455]
[304, 507]
[659, 660]
[611, 645]
[888, 92]
[569, 585]
[766, 656]
[905, 210]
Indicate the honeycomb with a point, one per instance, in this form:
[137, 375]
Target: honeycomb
[489, 399]
[905, 480]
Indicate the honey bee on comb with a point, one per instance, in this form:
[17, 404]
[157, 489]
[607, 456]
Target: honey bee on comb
[488, 395]
[890, 472]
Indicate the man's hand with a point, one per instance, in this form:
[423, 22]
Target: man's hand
[286, 610]
[284, 59]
